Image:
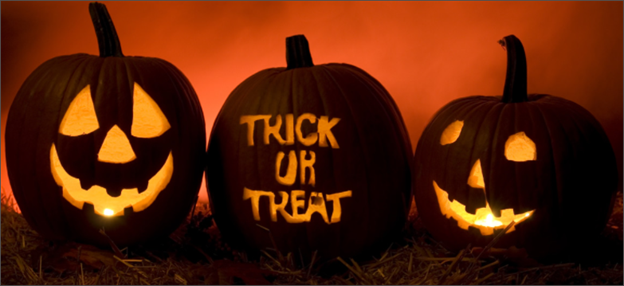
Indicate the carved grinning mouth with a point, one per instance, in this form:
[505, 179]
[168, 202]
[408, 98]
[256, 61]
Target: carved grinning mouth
[104, 204]
[483, 219]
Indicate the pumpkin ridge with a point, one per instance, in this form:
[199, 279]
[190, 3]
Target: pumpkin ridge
[363, 153]
[557, 162]
[131, 66]
[19, 116]
[489, 180]
[172, 77]
[384, 98]
[374, 86]
[429, 129]
[70, 91]
[557, 183]
[521, 113]
[54, 211]
[190, 103]
[550, 125]
[263, 90]
[581, 130]
[181, 79]
[316, 75]
[392, 115]
[516, 196]
[506, 111]
[461, 112]
[476, 108]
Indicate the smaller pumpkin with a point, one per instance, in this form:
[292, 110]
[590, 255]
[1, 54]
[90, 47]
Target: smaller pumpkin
[539, 161]
[105, 142]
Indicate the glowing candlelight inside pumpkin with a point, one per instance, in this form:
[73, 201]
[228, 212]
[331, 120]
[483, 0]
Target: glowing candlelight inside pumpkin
[482, 219]
[108, 212]
[489, 221]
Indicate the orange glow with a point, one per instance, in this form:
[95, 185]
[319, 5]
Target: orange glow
[148, 121]
[109, 212]
[520, 148]
[116, 147]
[291, 171]
[103, 204]
[451, 132]
[425, 53]
[475, 179]
[482, 219]
[80, 117]
[316, 204]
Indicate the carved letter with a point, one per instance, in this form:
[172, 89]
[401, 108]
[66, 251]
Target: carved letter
[255, 200]
[290, 130]
[316, 203]
[337, 213]
[307, 164]
[324, 131]
[312, 137]
[281, 208]
[250, 120]
[291, 172]
[273, 130]
[297, 200]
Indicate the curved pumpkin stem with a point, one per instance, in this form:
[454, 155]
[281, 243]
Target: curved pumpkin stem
[298, 52]
[516, 78]
[108, 42]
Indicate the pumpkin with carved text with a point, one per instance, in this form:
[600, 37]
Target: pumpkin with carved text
[108, 142]
[537, 165]
[310, 158]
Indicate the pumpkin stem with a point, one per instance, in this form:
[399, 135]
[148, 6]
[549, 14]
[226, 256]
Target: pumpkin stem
[108, 42]
[298, 52]
[516, 78]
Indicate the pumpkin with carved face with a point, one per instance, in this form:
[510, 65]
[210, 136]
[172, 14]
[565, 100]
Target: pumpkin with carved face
[105, 142]
[540, 161]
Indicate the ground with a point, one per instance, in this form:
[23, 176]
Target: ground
[195, 254]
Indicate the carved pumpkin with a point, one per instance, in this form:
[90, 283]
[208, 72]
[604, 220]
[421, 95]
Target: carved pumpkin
[105, 141]
[317, 154]
[541, 161]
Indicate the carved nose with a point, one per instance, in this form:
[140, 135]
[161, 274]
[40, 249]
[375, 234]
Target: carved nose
[116, 147]
[475, 179]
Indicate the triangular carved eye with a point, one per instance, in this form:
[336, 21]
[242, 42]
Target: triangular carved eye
[80, 118]
[148, 121]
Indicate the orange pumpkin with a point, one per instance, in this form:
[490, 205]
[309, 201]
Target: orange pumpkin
[539, 161]
[105, 142]
[317, 154]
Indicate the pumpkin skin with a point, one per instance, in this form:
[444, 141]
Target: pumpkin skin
[35, 123]
[371, 158]
[567, 188]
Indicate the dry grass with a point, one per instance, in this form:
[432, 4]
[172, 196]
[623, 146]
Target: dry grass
[194, 254]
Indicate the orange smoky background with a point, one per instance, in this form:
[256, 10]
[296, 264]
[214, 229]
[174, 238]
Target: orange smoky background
[425, 53]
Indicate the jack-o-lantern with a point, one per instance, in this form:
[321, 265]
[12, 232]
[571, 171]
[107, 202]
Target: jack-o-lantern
[317, 154]
[105, 141]
[540, 161]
